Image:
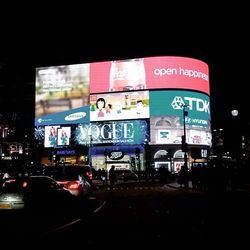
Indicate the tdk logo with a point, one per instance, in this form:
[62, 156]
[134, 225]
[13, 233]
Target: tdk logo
[193, 104]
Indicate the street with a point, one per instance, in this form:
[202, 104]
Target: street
[157, 214]
[150, 214]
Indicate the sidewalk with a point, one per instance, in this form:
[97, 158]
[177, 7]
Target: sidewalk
[243, 188]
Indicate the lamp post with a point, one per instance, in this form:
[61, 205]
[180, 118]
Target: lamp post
[90, 146]
[236, 140]
[106, 158]
[184, 139]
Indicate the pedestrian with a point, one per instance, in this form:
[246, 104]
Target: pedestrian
[112, 177]
[104, 176]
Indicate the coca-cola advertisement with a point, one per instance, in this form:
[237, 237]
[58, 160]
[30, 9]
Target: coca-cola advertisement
[149, 73]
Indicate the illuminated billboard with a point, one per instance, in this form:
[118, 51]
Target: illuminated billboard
[56, 136]
[118, 106]
[169, 72]
[62, 94]
[63, 136]
[50, 136]
[169, 130]
[170, 103]
[113, 133]
[72, 94]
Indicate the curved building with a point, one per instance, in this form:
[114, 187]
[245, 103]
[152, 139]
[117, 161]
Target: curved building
[130, 113]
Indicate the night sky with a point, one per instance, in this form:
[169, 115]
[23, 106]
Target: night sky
[223, 45]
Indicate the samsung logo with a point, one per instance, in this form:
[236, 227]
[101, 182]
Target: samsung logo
[75, 116]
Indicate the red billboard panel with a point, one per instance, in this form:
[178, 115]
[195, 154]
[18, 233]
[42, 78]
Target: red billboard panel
[167, 72]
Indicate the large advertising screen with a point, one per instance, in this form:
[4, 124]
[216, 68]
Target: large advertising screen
[169, 130]
[63, 136]
[56, 136]
[50, 136]
[62, 94]
[149, 73]
[113, 133]
[117, 106]
[170, 103]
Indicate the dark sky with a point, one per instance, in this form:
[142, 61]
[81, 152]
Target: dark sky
[220, 41]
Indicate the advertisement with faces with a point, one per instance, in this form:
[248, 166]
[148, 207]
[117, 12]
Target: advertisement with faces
[119, 106]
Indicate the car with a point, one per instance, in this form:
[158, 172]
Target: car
[125, 174]
[11, 196]
[85, 170]
[73, 178]
[34, 192]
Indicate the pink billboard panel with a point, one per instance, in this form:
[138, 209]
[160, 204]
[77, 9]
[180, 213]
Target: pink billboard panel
[166, 72]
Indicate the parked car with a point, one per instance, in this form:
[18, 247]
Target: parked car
[125, 174]
[39, 192]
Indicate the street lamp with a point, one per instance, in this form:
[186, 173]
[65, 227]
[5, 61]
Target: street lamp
[184, 139]
[236, 137]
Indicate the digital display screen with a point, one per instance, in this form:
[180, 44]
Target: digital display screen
[170, 103]
[50, 136]
[169, 130]
[113, 133]
[61, 92]
[117, 106]
[168, 72]
[63, 136]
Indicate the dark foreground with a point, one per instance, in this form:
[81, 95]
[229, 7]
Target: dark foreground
[152, 215]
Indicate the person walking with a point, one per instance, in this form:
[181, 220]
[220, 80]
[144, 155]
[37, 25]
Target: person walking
[112, 177]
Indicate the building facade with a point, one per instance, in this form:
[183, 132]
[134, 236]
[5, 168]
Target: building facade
[127, 113]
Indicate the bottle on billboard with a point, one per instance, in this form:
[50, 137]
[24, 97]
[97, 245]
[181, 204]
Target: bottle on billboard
[127, 75]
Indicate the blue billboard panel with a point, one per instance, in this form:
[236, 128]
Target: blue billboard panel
[73, 116]
[113, 133]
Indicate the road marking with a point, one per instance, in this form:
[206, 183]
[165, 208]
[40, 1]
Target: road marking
[92, 198]
[75, 221]
[63, 226]
[100, 207]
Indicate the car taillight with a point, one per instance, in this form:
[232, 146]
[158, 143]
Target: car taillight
[73, 185]
[89, 175]
[25, 184]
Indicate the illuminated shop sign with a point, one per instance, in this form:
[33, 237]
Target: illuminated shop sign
[171, 103]
[116, 155]
[65, 152]
[116, 132]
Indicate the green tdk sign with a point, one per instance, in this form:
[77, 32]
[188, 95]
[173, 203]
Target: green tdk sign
[170, 103]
